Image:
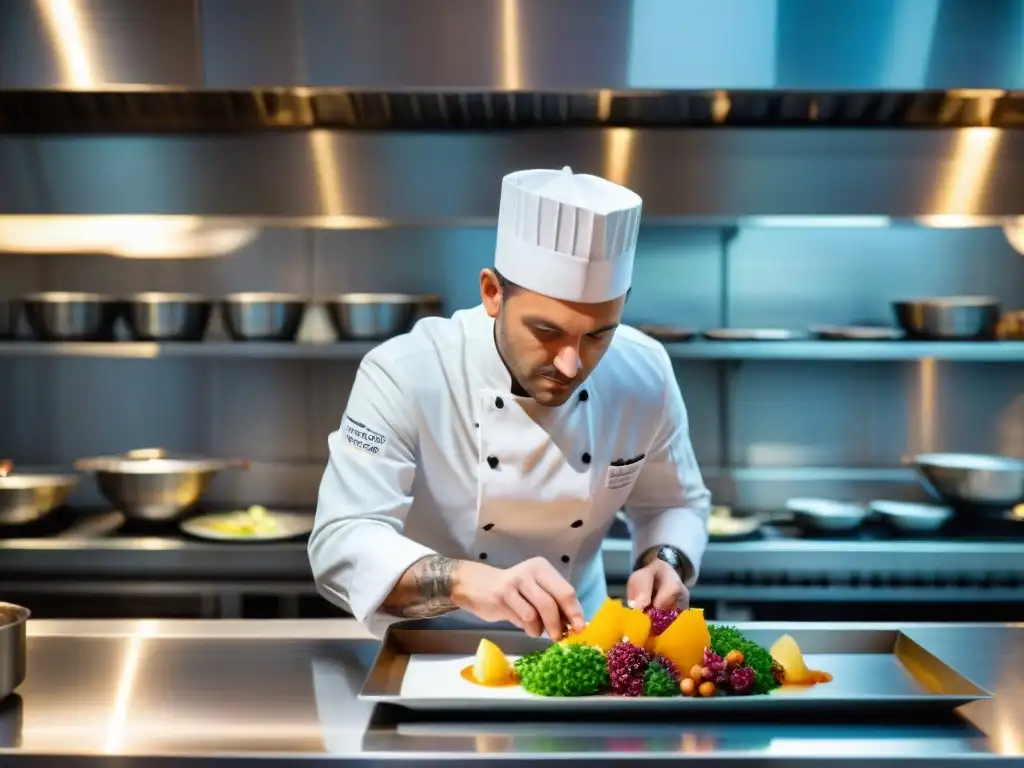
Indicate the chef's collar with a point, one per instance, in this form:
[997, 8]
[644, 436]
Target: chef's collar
[493, 372]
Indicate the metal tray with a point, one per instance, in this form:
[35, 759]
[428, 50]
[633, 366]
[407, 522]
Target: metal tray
[754, 334]
[871, 668]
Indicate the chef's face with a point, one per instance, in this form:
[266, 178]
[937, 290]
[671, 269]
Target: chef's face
[550, 346]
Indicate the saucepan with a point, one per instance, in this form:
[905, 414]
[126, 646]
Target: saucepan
[152, 484]
[972, 480]
[28, 496]
[13, 642]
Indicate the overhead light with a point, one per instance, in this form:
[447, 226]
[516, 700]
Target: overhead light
[822, 222]
[957, 221]
[1014, 231]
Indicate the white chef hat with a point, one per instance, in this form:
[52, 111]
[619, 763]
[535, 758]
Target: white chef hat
[568, 236]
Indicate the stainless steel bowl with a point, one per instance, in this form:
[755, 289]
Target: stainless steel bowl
[949, 318]
[66, 316]
[376, 316]
[167, 316]
[13, 645]
[151, 484]
[972, 480]
[263, 316]
[28, 496]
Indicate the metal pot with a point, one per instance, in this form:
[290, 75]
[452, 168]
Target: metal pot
[972, 480]
[168, 316]
[13, 645]
[263, 316]
[949, 318]
[150, 484]
[65, 316]
[28, 496]
[376, 316]
[8, 319]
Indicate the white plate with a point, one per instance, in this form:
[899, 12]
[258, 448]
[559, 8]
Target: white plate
[726, 527]
[911, 516]
[827, 514]
[289, 526]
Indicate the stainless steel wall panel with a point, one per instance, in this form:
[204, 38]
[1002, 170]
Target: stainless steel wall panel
[22, 189]
[96, 44]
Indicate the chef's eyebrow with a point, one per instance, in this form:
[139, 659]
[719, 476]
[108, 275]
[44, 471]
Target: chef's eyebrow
[541, 322]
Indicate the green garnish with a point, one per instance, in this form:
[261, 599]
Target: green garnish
[658, 682]
[725, 639]
[572, 670]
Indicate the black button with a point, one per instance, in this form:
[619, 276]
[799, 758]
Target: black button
[476, 424]
[584, 396]
[483, 555]
[499, 403]
[576, 524]
[585, 457]
[565, 558]
[492, 461]
[488, 526]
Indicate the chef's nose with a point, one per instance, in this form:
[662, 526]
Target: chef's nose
[567, 361]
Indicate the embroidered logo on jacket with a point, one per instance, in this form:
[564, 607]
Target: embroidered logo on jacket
[360, 436]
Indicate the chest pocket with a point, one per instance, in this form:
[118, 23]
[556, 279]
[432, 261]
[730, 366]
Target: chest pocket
[616, 481]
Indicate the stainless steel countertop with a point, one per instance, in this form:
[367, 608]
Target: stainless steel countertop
[202, 692]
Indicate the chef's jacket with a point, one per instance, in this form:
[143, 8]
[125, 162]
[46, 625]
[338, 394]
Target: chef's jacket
[436, 455]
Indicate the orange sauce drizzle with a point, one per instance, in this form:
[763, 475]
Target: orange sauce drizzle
[814, 678]
[468, 676]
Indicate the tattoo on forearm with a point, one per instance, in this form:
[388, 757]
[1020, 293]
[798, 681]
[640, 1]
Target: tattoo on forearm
[425, 590]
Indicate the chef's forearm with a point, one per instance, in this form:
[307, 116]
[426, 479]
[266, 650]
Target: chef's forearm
[424, 590]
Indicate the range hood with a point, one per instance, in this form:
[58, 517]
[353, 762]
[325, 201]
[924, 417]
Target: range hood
[378, 111]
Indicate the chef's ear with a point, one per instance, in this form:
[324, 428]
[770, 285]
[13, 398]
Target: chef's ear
[494, 289]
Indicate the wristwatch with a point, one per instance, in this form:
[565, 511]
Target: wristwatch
[679, 562]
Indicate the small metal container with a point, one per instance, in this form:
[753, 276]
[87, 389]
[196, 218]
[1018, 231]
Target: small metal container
[66, 316]
[13, 647]
[167, 316]
[949, 318]
[972, 480]
[377, 316]
[28, 496]
[150, 484]
[263, 316]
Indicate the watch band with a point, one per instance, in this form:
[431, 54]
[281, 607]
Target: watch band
[679, 562]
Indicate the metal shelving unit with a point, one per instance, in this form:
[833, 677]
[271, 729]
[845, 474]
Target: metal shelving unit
[988, 351]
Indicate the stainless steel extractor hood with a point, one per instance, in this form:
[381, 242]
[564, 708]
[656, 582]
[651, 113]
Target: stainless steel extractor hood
[411, 110]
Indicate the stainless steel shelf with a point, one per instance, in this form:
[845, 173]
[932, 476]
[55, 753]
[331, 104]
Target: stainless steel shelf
[989, 351]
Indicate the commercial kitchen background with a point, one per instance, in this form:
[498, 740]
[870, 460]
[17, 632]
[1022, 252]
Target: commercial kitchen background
[766, 426]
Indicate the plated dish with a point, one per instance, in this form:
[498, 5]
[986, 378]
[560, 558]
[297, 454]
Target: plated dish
[256, 523]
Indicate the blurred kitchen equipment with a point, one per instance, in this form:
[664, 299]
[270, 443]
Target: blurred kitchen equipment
[253, 524]
[949, 317]
[67, 316]
[972, 480]
[13, 643]
[753, 334]
[376, 316]
[855, 333]
[263, 316]
[155, 316]
[724, 526]
[151, 484]
[8, 319]
[667, 332]
[912, 517]
[27, 496]
[826, 514]
[1011, 326]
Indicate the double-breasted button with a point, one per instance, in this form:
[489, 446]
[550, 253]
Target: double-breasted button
[584, 395]
[483, 555]
[576, 524]
[585, 458]
[488, 526]
[492, 462]
[499, 403]
[565, 558]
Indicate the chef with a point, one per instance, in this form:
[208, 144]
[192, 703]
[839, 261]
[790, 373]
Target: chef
[482, 459]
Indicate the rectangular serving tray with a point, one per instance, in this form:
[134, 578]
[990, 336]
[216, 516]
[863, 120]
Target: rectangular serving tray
[872, 669]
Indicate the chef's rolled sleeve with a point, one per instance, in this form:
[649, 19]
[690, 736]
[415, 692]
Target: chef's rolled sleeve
[669, 503]
[357, 550]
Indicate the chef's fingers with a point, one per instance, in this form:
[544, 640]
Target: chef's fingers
[640, 588]
[545, 605]
[522, 614]
[565, 597]
[668, 590]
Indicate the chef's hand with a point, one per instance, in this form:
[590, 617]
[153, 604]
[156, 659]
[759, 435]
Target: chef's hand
[532, 595]
[657, 584]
